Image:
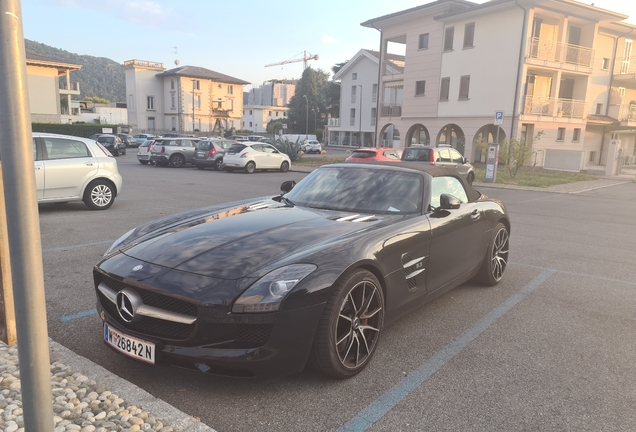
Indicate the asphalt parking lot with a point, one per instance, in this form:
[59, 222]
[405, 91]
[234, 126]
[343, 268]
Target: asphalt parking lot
[549, 348]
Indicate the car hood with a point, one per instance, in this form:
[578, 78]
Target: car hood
[238, 241]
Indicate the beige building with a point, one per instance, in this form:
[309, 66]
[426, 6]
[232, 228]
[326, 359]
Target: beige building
[559, 67]
[183, 99]
[50, 90]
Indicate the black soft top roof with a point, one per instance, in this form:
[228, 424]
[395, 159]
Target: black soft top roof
[432, 170]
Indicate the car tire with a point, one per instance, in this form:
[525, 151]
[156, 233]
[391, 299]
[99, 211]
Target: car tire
[99, 195]
[250, 167]
[352, 320]
[284, 167]
[143, 162]
[219, 165]
[470, 178]
[116, 153]
[177, 161]
[496, 259]
[124, 152]
[201, 167]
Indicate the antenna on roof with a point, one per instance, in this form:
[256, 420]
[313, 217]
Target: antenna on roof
[176, 61]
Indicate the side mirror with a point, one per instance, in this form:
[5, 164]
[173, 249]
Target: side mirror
[287, 186]
[464, 160]
[448, 202]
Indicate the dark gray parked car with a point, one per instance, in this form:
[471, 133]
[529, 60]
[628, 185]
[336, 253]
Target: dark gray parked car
[441, 156]
[113, 143]
[209, 153]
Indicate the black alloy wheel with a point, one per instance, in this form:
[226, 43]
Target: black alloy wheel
[250, 167]
[99, 195]
[350, 327]
[496, 259]
[219, 165]
[177, 161]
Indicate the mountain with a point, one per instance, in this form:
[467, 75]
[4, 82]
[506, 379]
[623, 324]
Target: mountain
[99, 76]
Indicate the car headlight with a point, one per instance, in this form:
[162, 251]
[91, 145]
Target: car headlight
[118, 242]
[267, 293]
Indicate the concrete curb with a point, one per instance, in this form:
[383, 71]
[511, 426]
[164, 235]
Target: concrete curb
[132, 394]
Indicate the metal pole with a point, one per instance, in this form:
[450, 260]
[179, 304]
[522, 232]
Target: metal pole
[360, 122]
[25, 248]
[193, 106]
[307, 119]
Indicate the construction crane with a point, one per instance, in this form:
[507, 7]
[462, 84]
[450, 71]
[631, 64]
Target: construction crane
[306, 57]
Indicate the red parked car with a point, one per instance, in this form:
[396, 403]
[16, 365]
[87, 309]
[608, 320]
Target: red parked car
[386, 154]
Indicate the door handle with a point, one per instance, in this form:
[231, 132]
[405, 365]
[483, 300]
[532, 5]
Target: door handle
[475, 215]
[38, 167]
[89, 164]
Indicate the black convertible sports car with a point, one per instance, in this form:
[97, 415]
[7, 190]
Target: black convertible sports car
[262, 286]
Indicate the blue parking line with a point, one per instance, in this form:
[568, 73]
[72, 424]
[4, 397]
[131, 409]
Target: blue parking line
[68, 318]
[385, 403]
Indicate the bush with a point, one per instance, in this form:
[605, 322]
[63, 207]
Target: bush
[80, 130]
[291, 149]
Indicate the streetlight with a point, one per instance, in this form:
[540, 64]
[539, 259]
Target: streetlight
[307, 119]
[360, 122]
[193, 81]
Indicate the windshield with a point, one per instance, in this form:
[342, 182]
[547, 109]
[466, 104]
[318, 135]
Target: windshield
[360, 190]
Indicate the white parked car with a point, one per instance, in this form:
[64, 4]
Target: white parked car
[143, 153]
[69, 168]
[311, 146]
[251, 156]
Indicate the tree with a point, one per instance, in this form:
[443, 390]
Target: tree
[314, 84]
[274, 125]
[97, 100]
[336, 68]
[515, 154]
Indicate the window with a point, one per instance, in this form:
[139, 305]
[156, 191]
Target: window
[197, 85]
[198, 102]
[171, 84]
[151, 102]
[560, 134]
[605, 63]
[423, 41]
[599, 108]
[284, 113]
[374, 114]
[276, 113]
[174, 123]
[354, 76]
[464, 85]
[445, 89]
[230, 89]
[449, 33]
[353, 94]
[352, 116]
[151, 123]
[420, 87]
[576, 135]
[621, 92]
[269, 113]
[456, 156]
[131, 102]
[374, 93]
[447, 185]
[250, 124]
[250, 113]
[173, 100]
[60, 148]
[469, 35]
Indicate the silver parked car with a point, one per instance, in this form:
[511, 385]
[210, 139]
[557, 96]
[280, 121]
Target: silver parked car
[69, 168]
[445, 156]
[175, 152]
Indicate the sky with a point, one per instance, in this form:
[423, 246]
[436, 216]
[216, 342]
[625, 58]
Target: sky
[234, 37]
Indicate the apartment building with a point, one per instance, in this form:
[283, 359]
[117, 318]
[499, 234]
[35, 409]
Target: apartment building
[51, 89]
[559, 67]
[256, 117]
[276, 93]
[358, 101]
[183, 99]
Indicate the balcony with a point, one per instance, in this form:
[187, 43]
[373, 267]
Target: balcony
[553, 107]
[545, 52]
[216, 112]
[627, 114]
[333, 122]
[625, 72]
[72, 88]
[392, 67]
[391, 111]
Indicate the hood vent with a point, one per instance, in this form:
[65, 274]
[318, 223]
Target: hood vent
[355, 218]
[259, 206]
[412, 267]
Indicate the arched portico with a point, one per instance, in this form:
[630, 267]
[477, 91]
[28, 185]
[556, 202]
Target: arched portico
[390, 136]
[417, 134]
[452, 135]
[487, 134]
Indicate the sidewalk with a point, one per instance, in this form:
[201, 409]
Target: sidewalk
[88, 398]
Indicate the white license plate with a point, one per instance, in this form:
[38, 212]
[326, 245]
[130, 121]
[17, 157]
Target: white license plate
[131, 346]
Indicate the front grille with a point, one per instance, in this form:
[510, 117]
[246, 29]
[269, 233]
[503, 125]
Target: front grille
[148, 325]
[253, 333]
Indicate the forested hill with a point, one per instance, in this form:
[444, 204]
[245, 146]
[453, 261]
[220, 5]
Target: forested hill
[99, 76]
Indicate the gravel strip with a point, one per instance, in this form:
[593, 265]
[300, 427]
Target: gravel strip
[80, 404]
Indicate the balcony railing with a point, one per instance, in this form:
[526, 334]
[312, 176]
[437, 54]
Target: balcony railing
[392, 67]
[391, 111]
[73, 87]
[625, 65]
[333, 122]
[552, 51]
[553, 107]
[627, 112]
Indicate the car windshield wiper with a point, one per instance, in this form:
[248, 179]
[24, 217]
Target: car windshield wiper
[287, 201]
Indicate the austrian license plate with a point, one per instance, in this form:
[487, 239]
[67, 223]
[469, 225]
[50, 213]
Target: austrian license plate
[131, 346]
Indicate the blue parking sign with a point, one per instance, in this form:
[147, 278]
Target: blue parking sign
[499, 116]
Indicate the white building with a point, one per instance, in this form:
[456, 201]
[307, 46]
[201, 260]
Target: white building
[272, 93]
[183, 99]
[103, 113]
[358, 101]
[563, 68]
[256, 117]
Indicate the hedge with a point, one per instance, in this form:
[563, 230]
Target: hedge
[80, 129]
